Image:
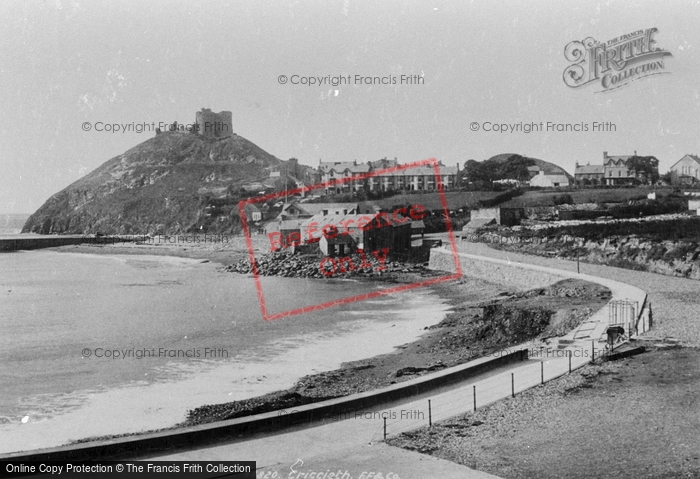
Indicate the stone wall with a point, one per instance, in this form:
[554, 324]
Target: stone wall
[503, 216]
[486, 214]
[497, 271]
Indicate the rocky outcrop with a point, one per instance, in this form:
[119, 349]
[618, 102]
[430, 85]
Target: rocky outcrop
[162, 186]
[672, 258]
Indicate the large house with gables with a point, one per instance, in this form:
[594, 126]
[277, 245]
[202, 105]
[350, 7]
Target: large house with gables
[613, 172]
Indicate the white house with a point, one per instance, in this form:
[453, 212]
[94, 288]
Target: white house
[544, 180]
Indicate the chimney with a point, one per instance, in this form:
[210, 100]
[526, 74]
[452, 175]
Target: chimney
[635, 152]
[605, 155]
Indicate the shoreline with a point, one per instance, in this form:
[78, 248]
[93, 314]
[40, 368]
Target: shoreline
[441, 346]
[437, 347]
[459, 338]
[221, 253]
[355, 328]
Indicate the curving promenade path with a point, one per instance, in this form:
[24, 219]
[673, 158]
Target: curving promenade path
[675, 301]
[354, 443]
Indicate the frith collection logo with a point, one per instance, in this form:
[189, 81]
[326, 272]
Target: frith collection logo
[615, 63]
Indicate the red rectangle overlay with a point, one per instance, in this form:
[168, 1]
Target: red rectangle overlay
[432, 162]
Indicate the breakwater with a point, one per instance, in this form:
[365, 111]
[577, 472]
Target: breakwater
[38, 242]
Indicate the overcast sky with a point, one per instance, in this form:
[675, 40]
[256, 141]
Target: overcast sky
[64, 63]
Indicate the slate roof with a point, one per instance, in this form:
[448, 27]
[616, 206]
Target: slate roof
[590, 170]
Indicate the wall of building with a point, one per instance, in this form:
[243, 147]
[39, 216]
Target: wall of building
[686, 166]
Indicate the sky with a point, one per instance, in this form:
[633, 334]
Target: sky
[69, 66]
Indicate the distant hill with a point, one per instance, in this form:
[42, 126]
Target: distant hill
[547, 167]
[176, 182]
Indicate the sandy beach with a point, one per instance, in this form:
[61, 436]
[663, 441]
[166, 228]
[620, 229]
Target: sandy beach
[291, 354]
[177, 303]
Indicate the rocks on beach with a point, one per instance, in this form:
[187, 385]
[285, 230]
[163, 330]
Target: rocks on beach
[311, 266]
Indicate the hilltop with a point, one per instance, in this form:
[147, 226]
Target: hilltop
[547, 167]
[176, 182]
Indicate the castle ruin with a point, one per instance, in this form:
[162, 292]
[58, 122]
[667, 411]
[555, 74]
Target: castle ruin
[214, 125]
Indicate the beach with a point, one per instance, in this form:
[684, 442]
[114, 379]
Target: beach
[126, 307]
[56, 304]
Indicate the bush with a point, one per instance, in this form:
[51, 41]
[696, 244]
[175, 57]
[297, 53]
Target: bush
[680, 253]
[649, 208]
[502, 198]
[565, 199]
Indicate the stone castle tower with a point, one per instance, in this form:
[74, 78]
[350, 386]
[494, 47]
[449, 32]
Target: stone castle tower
[214, 125]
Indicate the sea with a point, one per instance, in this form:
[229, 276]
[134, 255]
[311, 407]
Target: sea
[95, 345]
[11, 224]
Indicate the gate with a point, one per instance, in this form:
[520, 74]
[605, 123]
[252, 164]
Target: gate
[623, 313]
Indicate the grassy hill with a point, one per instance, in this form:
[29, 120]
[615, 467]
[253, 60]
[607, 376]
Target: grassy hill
[547, 167]
[164, 185]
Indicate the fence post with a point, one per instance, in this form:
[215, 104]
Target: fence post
[475, 398]
[569, 361]
[385, 428]
[592, 350]
[512, 384]
[542, 371]
[430, 415]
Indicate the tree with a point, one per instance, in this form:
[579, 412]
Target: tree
[514, 167]
[474, 171]
[645, 168]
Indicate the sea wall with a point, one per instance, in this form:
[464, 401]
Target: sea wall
[16, 244]
[639, 318]
[234, 429]
[509, 275]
